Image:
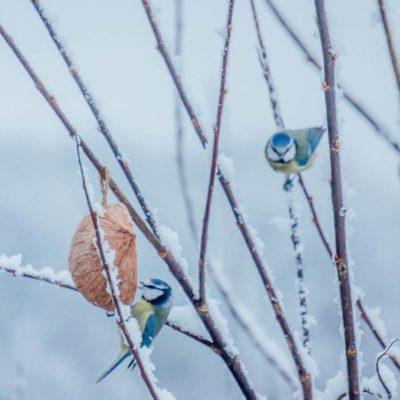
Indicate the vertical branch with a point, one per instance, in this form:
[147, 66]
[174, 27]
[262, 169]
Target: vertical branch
[180, 157]
[389, 41]
[303, 375]
[103, 128]
[341, 260]
[213, 168]
[357, 106]
[288, 186]
[106, 268]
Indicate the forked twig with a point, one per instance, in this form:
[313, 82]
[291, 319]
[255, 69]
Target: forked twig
[389, 41]
[232, 360]
[378, 371]
[113, 291]
[377, 126]
[213, 168]
[341, 260]
[304, 376]
[103, 127]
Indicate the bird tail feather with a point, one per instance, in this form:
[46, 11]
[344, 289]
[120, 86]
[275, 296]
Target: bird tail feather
[119, 360]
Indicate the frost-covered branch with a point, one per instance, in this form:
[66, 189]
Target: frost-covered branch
[287, 187]
[242, 224]
[110, 271]
[389, 40]
[231, 359]
[340, 257]
[376, 125]
[251, 327]
[12, 265]
[103, 127]
[214, 158]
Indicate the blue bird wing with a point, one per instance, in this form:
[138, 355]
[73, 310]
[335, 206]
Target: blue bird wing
[314, 136]
[307, 141]
[150, 331]
[113, 366]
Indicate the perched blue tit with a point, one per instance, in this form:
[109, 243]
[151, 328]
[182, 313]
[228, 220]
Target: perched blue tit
[292, 151]
[151, 313]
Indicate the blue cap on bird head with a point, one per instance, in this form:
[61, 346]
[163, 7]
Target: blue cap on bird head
[281, 140]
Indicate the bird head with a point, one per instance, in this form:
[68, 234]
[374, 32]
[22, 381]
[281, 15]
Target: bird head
[281, 148]
[155, 291]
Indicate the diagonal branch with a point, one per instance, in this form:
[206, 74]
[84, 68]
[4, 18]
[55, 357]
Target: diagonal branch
[213, 168]
[231, 359]
[304, 376]
[389, 41]
[111, 281]
[340, 257]
[103, 128]
[376, 125]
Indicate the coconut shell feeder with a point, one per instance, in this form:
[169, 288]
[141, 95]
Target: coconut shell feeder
[85, 263]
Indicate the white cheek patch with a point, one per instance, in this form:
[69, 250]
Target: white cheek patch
[150, 294]
[290, 155]
[271, 154]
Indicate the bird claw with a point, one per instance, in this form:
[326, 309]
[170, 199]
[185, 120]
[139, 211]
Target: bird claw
[288, 185]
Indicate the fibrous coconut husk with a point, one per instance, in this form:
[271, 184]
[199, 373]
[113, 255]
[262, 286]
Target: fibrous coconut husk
[85, 262]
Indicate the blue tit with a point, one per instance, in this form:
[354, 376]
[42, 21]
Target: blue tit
[151, 313]
[293, 151]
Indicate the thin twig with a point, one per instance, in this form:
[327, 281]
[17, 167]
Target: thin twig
[380, 130]
[103, 128]
[315, 218]
[378, 371]
[241, 315]
[120, 320]
[389, 41]
[287, 187]
[232, 361]
[304, 376]
[341, 260]
[36, 275]
[180, 156]
[213, 168]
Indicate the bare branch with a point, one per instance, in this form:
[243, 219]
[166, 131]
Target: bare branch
[380, 130]
[213, 168]
[106, 267]
[304, 376]
[389, 41]
[241, 316]
[103, 128]
[337, 204]
[232, 361]
[378, 371]
[288, 185]
[180, 157]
